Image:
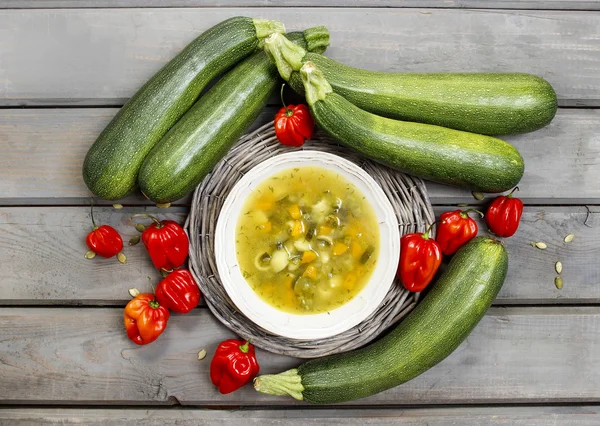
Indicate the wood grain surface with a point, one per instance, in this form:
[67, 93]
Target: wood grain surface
[82, 356]
[42, 251]
[474, 4]
[44, 150]
[101, 56]
[472, 416]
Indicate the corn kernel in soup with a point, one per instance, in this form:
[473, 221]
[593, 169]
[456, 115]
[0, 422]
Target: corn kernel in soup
[307, 240]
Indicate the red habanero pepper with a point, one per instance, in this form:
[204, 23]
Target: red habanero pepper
[504, 214]
[103, 240]
[178, 291]
[456, 228]
[233, 365]
[293, 124]
[145, 319]
[420, 258]
[166, 242]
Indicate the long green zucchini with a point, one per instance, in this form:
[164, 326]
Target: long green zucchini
[452, 157]
[485, 103]
[111, 165]
[431, 332]
[190, 150]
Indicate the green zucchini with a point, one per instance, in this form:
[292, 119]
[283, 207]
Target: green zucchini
[485, 103]
[431, 332]
[111, 165]
[190, 150]
[453, 157]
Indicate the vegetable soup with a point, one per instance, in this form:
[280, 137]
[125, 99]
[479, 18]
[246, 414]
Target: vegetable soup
[307, 240]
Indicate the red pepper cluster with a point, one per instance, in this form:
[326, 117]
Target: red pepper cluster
[421, 256]
[146, 316]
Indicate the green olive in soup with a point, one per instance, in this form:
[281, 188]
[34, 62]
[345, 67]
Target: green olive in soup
[307, 240]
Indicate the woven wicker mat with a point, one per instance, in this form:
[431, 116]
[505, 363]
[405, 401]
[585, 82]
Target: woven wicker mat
[407, 195]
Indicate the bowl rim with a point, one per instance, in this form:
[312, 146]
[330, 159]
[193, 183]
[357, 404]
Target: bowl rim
[307, 326]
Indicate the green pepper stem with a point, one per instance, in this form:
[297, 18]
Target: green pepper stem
[245, 347]
[286, 383]
[154, 219]
[516, 188]
[426, 233]
[288, 112]
[465, 213]
[92, 213]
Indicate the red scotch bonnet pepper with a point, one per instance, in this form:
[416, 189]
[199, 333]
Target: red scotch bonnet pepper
[420, 258]
[166, 242]
[456, 229]
[233, 365]
[145, 319]
[504, 214]
[178, 291]
[293, 124]
[104, 240]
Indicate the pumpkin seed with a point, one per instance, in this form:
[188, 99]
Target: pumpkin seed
[540, 245]
[133, 292]
[140, 227]
[201, 354]
[90, 255]
[558, 282]
[118, 206]
[569, 238]
[478, 195]
[462, 205]
[163, 205]
[122, 258]
[558, 267]
[134, 240]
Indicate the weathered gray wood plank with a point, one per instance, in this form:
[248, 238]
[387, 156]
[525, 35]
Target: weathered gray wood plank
[101, 56]
[474, 4]
[42, 257]
[43, 150]
[471, 416]
[82, 356]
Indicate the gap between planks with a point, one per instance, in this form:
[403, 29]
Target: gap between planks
[42, 250]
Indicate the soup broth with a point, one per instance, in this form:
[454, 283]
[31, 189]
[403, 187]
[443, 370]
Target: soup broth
[307, 240]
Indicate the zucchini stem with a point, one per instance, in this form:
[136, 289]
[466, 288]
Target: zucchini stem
[286, 383]
[317, 39]
[316, 86]
[265, 27]
[285, 54]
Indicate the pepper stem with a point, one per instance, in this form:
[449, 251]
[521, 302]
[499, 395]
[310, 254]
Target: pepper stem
[288, 112]
[286, 383]
[153, 289]
[465, 213]
[92, 213]
[154, 219]
[245, 347]
[516, 188]
[426, 233]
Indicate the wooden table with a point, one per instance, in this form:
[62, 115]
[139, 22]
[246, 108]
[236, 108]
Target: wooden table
[66, 67]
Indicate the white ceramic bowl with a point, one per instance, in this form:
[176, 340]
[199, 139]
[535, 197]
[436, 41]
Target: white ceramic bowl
[309, 326]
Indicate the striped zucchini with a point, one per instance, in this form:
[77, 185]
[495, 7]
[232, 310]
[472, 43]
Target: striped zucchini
[111, 165]
[190, 150]
[452, 157]
[485, 103]
[431, 332]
